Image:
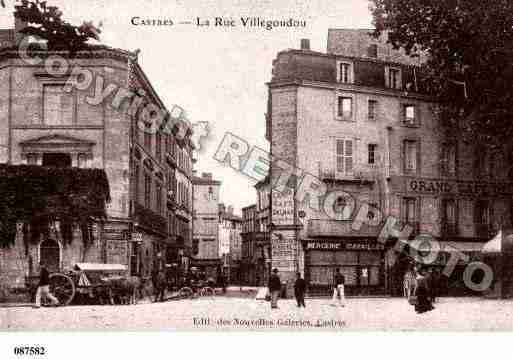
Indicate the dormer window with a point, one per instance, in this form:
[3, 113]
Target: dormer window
[345, 72]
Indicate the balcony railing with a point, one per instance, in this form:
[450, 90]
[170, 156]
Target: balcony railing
[360, 173]
[334, 228]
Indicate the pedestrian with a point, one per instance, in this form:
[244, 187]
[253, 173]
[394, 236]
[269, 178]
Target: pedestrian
[338, 289]
[433, 284]
[274, 287]
[160, 287]
[423, 303]
[299, 290]
[43, 288]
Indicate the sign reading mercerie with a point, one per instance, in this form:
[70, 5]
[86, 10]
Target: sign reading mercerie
[339, 246]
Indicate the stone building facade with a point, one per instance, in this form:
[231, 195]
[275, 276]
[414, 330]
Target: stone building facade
[230, 243]
[44, 123]
[205, 254]
[356, 123]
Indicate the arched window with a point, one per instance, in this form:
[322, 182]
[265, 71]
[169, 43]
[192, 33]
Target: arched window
[50, 254]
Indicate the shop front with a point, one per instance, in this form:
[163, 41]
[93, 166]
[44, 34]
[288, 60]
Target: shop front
[360, 261]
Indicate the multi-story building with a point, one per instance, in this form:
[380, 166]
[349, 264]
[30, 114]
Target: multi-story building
[205, 254]
[230, 243]
[262, 235]
[42, 123]
[356, 122]
[256, 260]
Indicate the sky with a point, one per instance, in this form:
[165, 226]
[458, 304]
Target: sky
[217, 74]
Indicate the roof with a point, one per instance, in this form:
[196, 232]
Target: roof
[204, 181]
[104, 267]
[356, 42]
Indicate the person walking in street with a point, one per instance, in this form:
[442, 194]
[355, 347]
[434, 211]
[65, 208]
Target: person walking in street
[43, 288]
[160, 286]
[275, 288]
[299, 290]
[338, 289]
[423, 303]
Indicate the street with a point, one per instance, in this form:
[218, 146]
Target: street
[235, 313]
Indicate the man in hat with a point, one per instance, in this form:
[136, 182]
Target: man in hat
[274, 287]
[43, 288]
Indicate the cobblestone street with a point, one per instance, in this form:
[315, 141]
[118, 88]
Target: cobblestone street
[222, 313]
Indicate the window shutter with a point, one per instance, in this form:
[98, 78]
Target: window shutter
[418, 113]
[348, 156]
[387, 74]
[418, 159]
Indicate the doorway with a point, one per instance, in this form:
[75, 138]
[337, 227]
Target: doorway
[50, 254]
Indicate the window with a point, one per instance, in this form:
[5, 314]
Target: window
[372, 110]
[409, 214]
[32, 159]
[372, 153]
[345, 72]
[158, 145]
[56, 160]
[136, 181]
[409, 115]
[448, 160]
[410, 156]
[482, 212]
[159, 197]
[147, 190]
[82, 160]
[58, 106]
[345, 107]
[344, 153]
[147, 136]
[393, 80]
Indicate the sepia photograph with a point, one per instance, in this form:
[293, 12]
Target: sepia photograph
[255, 166]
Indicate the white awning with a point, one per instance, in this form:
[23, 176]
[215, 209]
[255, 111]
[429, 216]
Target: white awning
[100, 267]
[494, 245]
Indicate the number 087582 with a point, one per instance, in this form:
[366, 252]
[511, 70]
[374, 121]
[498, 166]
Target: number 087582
[29, 350]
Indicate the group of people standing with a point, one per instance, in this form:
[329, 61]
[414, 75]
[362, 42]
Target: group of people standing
[421, 288]
[275, 288]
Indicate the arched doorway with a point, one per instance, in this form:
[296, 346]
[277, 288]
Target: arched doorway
[50, 254]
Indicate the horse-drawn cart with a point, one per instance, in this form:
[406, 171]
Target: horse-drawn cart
[97, 283]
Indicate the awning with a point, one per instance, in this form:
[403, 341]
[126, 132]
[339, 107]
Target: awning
[100, 267]
[494, 245]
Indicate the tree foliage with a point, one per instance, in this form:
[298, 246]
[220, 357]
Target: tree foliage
[469, 44]
[38, 196]
[46, 22]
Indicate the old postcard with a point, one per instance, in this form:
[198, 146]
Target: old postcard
[255, 166]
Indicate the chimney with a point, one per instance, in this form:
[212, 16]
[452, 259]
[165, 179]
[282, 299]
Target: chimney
[206, 175]
[372, 51]
[305, 44]
[19, 25]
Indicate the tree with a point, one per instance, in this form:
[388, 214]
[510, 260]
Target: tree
[46, 22]
[469, 44]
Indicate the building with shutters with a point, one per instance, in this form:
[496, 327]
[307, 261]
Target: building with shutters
[205, 247]
[357, 121]
[149, 172]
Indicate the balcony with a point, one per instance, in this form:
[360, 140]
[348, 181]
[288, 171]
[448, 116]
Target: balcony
[361, 174]
[334, 228]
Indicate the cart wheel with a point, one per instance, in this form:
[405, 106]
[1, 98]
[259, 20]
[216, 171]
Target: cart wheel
[186, 292]
[207, 292]
[62, 287]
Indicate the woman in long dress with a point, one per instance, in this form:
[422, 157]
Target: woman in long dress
[423, 294]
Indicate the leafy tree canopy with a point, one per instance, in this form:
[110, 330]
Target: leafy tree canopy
[46, 22]
[470, 67]
[37, 196]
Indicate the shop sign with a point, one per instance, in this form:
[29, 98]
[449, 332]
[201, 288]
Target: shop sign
[282, 207]
[137, 237]
[341, 246]
[463, 188]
